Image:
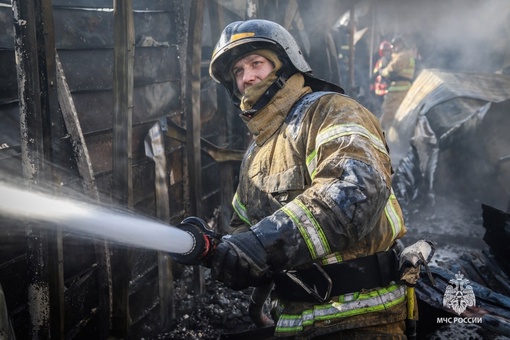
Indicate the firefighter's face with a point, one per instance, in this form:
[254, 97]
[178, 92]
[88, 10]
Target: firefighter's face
[251, 70]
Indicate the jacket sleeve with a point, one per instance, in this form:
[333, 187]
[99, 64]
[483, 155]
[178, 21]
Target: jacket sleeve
[350, 172]
[237, 225]
[396, 64]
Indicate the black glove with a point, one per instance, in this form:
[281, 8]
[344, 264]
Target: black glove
[240, 261]
[205, 241]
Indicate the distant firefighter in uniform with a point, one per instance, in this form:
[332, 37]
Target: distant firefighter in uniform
[379, 86]
[400, 75]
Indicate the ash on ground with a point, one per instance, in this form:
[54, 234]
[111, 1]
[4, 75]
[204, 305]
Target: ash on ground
[219, 310]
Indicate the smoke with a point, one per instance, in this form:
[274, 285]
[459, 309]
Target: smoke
[469, 36]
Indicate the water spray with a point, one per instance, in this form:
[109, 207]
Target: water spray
[93, 220]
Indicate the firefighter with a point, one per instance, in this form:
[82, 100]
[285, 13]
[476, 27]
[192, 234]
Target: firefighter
[379, 84]
[400, 74]
[314, 208]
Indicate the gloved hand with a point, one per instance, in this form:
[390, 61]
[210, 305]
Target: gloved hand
[240, 261]
[205, 241]
[412, 258]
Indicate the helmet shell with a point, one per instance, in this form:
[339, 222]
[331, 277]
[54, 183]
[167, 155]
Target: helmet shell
[384, 46]
[242, 37]
[398, 40]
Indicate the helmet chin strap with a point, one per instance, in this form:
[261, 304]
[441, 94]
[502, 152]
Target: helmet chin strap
[283, 74]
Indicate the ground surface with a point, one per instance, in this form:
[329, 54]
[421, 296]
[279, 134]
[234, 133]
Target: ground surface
[453, 226]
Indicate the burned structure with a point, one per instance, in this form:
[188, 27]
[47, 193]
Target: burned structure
[95, 99]
[111, 101]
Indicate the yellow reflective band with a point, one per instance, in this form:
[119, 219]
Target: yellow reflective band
[311, 163]
[347, 130]
[347, 305]
[332, 258]
[240, 210]
[338, 131]
[392, 216]
[309, 228]
[238, 36]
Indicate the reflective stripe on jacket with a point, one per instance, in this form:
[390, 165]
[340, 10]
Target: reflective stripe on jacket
[315, 186]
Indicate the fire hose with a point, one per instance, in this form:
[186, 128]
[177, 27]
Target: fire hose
[204, 244]
[191, 242]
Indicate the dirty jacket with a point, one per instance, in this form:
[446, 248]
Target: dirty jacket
[315, 186]
[399, 71]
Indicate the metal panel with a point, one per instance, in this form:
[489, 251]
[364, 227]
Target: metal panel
[433, 87]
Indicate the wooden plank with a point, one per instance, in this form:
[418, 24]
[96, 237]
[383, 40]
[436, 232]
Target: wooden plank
[10, 162]
[192, 99]
[94, 109]
[58, 156]
[151, 102]
[9, 83]
[84, 29]
[143, 181]
[7, 28]
[10, 126]
[155, 150]
[161, 5]
[93, 69]
[74, 129]
[143, 301]
[35, 153]
[122, 155]
[225, 107]
[79, 304]
[15, 282]
[138, 5]
[81, 29]
[192, 109]
[81, 153]
[74, 265]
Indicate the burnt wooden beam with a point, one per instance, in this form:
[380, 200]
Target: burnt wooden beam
[225, 113]
[84, 163]
[192, 109]
[193, 62]
[41, 129]
[217, 153]
[75, 132]
[124, 49]
[155, 149]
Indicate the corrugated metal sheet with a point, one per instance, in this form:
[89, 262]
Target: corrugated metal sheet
[448, 137]
[433, 87]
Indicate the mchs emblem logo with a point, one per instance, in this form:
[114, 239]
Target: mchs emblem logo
[459, 295]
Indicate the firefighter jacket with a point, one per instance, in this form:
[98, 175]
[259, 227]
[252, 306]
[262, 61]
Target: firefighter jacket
[315, 186]
[380, 84]
[400, 71]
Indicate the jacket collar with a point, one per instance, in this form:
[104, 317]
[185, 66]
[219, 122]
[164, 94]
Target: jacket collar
[269, 119]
